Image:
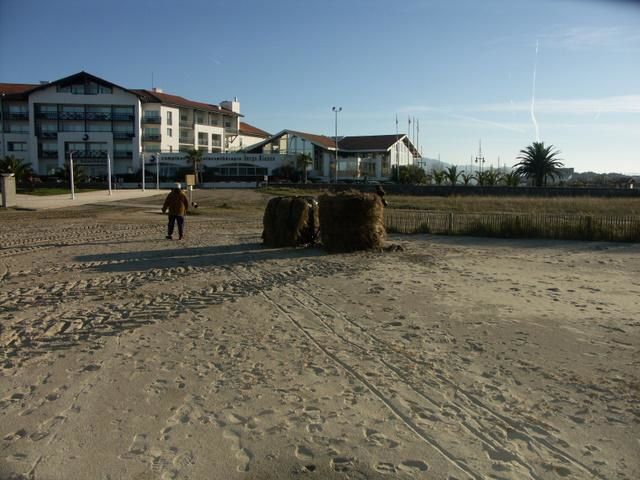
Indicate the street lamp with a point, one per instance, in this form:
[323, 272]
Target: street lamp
[143, 172]
[480, 158]
[73, 192]
[336, 110]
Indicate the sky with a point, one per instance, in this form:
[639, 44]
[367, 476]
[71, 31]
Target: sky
[501, 72]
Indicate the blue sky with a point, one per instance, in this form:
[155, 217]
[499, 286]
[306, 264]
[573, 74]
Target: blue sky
[463, 68]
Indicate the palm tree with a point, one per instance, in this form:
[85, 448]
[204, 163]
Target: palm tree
[438, 176]
[511, 179]
[538, 163]
[466, 178]
[303, 160]
[452, 175]
[78, 173]
[195, 156]
[11, 164]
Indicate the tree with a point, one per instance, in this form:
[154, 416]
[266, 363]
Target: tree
[195, 156]
[452, 175]
[438, 176]
[11, 164]
[303, 160]
[466, 178]
[538, 162]
[78, 173]
[511, 179]
[412, 174]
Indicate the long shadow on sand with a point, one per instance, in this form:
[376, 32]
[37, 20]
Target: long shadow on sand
[218, 255]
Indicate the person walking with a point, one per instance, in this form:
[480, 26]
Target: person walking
[177, 204]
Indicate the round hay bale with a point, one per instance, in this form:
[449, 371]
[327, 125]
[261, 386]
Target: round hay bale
[290, 221]
[351, 221]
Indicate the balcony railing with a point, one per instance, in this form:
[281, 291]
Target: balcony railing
[122, 154]
[185, 140]
[152, 119]
[123, 135]
[88, 154]
[47, 115]
[18, 116]
[100, 116]
[151, 137]
[122, 116]
[71, 116]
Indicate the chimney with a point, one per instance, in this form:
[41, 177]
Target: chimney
[233, 105]
[157, 90]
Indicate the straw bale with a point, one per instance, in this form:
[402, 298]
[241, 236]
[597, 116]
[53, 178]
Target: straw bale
[351, 221]
[290, 221]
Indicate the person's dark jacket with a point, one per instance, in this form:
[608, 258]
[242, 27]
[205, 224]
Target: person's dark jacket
[176, 202]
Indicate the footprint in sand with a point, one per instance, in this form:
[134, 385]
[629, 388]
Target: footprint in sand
[413, 466]
[384, 467]
[139, 444]
[342, 464]
[244, 458]
[304, 453]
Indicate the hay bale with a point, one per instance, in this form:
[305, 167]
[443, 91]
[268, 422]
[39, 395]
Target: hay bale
[351, 221]
[290, 221]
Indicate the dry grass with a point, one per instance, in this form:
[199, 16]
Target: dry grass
[522, 205]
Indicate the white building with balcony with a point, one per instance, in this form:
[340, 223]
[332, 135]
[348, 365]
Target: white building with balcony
[95, 119]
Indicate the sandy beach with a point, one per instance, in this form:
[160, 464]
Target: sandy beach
[127, 356]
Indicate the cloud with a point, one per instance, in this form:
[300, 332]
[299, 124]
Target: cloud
[591, 106]
[592, 37]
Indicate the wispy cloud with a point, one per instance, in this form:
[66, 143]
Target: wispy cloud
[592, 37]
[591, 106]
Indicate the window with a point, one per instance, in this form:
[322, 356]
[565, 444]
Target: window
[199, 118]
[169, 118]
[169, 132]
[17, 146]
[227, 124]
[99, 127]
[202, 138]
[216, 140]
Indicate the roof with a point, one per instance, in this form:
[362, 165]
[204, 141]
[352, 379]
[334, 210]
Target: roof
[77, 76]
[321, 140]
[252, 131]
[150, 96]
[369, 142]
[16, 89]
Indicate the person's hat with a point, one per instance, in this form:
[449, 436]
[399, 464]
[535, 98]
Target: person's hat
[178, 185]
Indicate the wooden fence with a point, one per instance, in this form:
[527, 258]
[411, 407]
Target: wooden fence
[508, 225]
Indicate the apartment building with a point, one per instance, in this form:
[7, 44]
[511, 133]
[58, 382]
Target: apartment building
[93, 119]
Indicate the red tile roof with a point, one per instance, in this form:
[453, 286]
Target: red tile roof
[247, 129]
[16, 88]
[326, 142]
[150, 96]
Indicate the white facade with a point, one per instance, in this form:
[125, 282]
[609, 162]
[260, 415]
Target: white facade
[94, 120]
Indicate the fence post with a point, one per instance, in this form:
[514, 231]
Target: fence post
[450, 223]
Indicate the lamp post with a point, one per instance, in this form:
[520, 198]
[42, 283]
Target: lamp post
[480, 158]
[143, 173]
[109, 172]
[158, 171]
[73, 192]
[336, 110]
